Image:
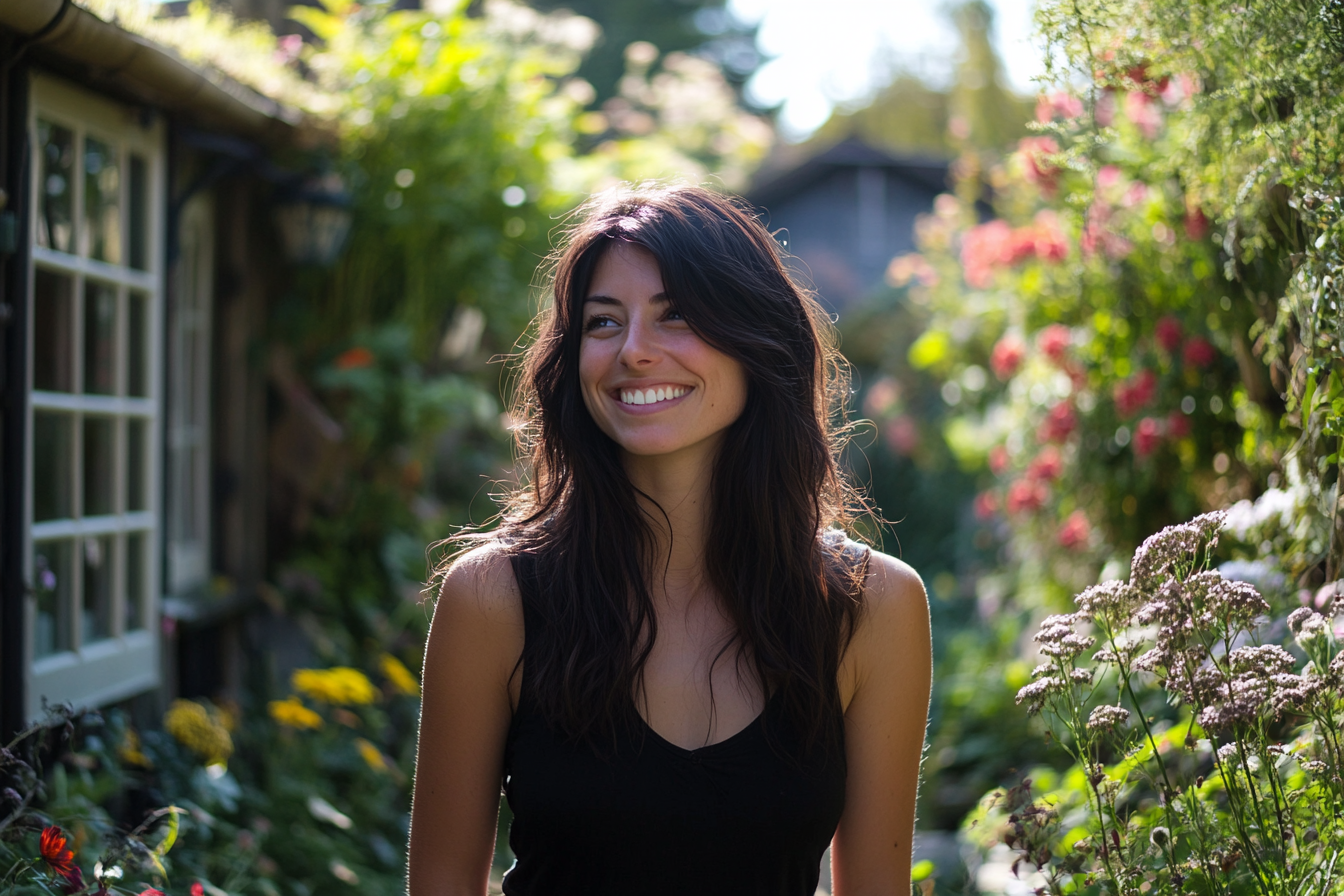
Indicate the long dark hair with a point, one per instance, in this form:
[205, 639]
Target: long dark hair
[775, 554]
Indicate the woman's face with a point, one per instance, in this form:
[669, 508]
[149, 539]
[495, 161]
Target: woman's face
[649, 381]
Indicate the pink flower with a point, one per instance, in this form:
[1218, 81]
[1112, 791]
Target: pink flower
[986, 505]
[1178, 425]
[1007, 356]
[1196, 224]
[1109, 177]
[1169, 335]
[1050, 243]
[1147, 436]
[1100, 235]
[1053, 342]
[1074, 532]
[1059, 104]
[982, 248]
[1039, 169]
[1133, 394]
[998, 459]
[1047, 466]
[1026, 495]
[1058, 424]
[1199, 352]
[1144, 111]
[1178, 90]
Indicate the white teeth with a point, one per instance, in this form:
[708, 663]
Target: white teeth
[652, 396]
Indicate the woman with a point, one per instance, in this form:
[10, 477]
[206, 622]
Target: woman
[686, 677]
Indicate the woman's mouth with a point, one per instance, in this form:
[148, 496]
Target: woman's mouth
[652, 395]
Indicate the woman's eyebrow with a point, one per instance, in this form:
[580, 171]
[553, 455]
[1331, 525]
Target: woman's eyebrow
[608, 300]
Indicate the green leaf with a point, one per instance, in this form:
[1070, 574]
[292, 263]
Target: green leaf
[1309, 397]
[930, 349]
[920, 870]
[170, 836]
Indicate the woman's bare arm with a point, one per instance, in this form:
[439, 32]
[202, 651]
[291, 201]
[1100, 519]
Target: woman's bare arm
[475, 640]
[888, 672]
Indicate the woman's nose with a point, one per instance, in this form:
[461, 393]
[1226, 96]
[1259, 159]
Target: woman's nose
[640, 347]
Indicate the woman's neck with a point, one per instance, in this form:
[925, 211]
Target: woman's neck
[678, 508]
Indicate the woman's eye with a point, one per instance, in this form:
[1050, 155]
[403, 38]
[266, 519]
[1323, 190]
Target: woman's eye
[598, 322]
[673, 314]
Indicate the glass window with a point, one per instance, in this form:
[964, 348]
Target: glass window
[93, 526]
[53, 331]
[56, 187]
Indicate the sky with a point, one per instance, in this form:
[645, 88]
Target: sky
[824, 52]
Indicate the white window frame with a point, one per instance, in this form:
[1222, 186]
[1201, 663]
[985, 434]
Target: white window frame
[187, 523]
[126, 663]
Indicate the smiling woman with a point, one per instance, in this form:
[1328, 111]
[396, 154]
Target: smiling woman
[684, 674]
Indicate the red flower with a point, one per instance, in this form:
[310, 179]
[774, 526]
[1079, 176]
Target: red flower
[1178, 425]
[354, 358]
[1038, 167]
[197, 889]
[1169, 335]
[1134, 394]
[1049, 241]
[1058, 424]
[1199, 352]
[1061, 104]
[1147, 436]
[983, 247]
[998, 459]
[1053, 342]
[1026, 495]
[1073, 533]
[986, 505]
[60, 860]
[1007, 356]
[1047, 466]
[1196, 224]
[151, 892]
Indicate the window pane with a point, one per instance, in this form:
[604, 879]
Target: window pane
[102, 205]
[53, 332]
[137, 585]
[136, 447]
[51, 585]
[137, 345]
[96, 616]
[53, 438]
[100, 338]
[99, 460]
[55, 213]
[138, 242]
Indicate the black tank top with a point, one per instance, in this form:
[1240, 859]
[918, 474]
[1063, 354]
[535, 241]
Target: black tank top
[743, 816]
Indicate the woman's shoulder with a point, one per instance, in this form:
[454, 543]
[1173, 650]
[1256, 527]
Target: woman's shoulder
[892, 585]
[481, 583]
[891, 644]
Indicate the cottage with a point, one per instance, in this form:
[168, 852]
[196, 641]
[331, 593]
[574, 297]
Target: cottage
[138, 254]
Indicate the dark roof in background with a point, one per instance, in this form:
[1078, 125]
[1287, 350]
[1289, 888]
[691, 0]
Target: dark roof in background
[776, 184]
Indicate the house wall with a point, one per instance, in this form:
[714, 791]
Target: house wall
[845, 226]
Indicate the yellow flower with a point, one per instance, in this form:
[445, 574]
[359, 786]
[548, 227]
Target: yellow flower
[130, 752]
[293, 713]
[197, 728]
[372, 755]
[401, 679]
[339, 684]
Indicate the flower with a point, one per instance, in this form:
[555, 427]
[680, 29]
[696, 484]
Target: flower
[1169, 334]
[401, 678]
[986, 505]
[1053, 342]
[354, 358]
[292, 713]
[1059, 423]
[1178, 425]
[371, 755]
[129, 751]
[60, 860]
[199, 730]
[1047, 466]
[197, 889]
[1147, 436]
[998, 459]
[1199, 352]
[1049, 242]
[1074, 532]
[339, 684]
[1039, 169]
[1007, 356]
[1106, 717]
[1059, 104]
[1135, 393]
[1144, 111]
[1026, 495]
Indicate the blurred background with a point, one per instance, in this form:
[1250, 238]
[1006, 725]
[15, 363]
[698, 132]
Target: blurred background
[264, 264]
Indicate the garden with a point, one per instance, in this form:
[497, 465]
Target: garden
[1104, 418]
